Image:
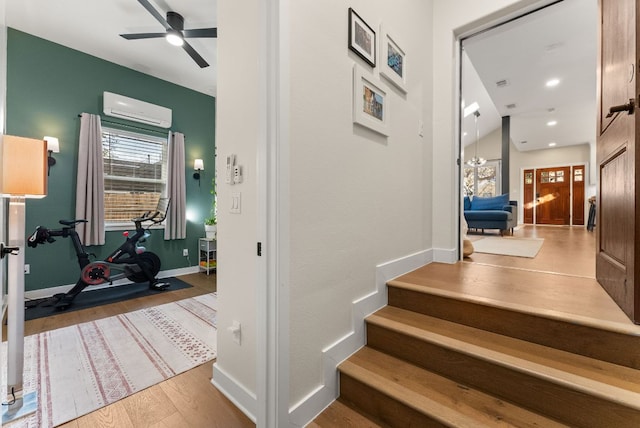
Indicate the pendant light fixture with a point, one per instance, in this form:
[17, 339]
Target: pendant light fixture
[475, 160]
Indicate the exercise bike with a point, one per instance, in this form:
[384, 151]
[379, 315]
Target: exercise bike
[130, 260]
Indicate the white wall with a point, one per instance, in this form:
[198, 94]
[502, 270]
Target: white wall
[357, 199]
[239, 105]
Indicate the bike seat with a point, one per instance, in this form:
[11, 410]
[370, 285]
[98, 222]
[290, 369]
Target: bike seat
[71, 222]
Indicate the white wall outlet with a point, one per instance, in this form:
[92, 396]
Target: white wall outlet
[237, 174]
[27, 269]
[185, 252]
[236, 331]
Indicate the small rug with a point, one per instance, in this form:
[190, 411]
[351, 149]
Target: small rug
[507, 246]
[79, 369]
[90, 298]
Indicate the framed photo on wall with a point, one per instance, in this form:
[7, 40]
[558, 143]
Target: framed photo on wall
[362, 38]
[393, 60]
[371, 104]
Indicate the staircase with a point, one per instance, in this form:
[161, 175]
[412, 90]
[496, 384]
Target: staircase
[437, 356]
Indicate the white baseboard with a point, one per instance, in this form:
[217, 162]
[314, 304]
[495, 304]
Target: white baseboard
[313, 404]
[48, 292]
[441, 255]
[241, 397]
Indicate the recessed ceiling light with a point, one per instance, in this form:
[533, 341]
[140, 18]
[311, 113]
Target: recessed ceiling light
[552, 144]
[552, 123]
[553, 82]
[465, 134]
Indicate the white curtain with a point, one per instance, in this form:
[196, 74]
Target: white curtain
[90, 181]
[176, 222]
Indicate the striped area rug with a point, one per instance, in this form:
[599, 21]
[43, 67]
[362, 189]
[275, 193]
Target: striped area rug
[81, 368]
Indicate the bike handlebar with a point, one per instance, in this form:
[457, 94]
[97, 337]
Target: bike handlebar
[41, 235]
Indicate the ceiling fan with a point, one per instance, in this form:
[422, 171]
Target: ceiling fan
[175, 32]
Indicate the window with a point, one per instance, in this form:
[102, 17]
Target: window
[135, 175]
[552, 176]
[528, 178]
[482, 180]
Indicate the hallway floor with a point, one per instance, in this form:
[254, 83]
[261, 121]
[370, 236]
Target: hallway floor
[569, 250]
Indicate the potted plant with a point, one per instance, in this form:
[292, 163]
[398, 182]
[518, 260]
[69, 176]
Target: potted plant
[211, 222]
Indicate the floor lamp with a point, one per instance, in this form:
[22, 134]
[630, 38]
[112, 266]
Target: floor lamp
[24, 175]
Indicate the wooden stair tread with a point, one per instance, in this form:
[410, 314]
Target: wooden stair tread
[448, 402]
[613, 382]
[562, 295]
[339, 414]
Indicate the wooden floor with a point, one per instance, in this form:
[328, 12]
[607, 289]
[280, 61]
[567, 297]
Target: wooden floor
[186, 400]
[566, 250]
[564, 269]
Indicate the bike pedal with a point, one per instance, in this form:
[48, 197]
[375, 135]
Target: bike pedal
[159, 286]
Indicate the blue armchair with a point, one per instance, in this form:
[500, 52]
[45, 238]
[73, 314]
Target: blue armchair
[496, 212]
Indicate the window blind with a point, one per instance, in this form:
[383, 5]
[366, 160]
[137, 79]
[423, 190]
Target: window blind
[135, 171]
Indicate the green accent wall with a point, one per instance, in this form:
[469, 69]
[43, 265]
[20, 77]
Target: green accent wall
[48, 85]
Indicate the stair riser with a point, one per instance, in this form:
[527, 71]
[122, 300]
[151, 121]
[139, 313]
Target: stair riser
[368, 400]
[583, 340]
[540, 395]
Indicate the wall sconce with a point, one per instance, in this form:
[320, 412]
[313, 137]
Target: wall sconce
[53, 146]
[198, 165]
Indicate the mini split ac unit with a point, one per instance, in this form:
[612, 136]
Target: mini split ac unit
[128, 108]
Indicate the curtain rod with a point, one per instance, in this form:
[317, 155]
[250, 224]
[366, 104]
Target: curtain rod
[131, 126]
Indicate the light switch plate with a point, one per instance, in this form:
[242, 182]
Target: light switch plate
[235, 203]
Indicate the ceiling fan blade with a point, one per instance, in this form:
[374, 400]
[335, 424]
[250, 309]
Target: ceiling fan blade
[195, 55]
[143, 36]
[201, 32]
[155, 13]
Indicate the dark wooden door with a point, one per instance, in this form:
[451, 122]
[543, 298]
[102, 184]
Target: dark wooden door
[553, 196]
[577, 184]
[617, 222]
[528, 199]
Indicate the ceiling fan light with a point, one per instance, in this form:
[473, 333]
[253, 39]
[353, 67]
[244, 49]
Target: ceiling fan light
[174, 37]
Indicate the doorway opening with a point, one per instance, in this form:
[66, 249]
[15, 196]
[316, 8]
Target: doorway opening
[533, 82]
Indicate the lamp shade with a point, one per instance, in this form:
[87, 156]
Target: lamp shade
[24, 167]
[53, 145]
[198, 165]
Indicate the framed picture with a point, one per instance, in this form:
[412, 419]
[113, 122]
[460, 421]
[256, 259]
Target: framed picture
[370, 102]
[362, 38]
[394, 61]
